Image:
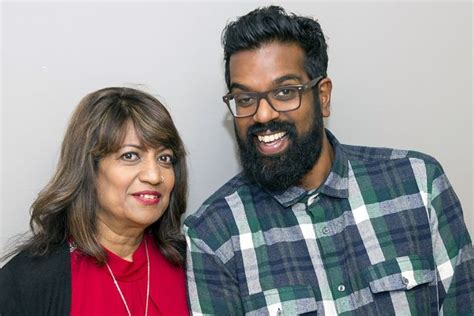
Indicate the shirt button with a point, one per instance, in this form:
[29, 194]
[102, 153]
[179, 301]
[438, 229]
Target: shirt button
[405, 281]
[325, 230]
[341, 288]
[312, 198]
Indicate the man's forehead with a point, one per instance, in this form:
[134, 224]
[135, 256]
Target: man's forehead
[271, 48]
[271, 63]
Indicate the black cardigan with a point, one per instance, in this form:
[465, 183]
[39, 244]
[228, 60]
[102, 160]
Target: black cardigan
[37, 285]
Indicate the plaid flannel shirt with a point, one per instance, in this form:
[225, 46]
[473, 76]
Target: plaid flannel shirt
[384, 235]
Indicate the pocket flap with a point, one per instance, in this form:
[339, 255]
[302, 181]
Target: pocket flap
[402, 273]
[290, 300]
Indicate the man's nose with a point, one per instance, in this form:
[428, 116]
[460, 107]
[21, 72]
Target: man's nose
[265, 112]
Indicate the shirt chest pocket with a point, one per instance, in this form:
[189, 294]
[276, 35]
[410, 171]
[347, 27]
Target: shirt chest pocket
[290, 300]
[402, 281]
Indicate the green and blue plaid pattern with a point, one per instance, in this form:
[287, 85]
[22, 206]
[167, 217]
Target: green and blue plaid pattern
[384, 235]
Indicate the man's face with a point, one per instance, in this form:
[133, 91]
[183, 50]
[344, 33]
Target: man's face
[276, 148]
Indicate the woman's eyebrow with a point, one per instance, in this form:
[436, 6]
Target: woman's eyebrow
[133, 145]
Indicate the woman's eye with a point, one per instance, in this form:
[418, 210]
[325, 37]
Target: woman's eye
[130, 156]
[166, 159]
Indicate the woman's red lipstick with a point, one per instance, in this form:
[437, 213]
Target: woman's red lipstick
[147, 197]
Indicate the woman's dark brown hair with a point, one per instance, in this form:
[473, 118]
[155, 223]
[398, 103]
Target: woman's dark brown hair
[66, 207]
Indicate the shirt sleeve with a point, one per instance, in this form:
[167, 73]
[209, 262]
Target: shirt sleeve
[212, 287]
[452, 248]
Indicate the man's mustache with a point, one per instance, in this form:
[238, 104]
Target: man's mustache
[272, 126]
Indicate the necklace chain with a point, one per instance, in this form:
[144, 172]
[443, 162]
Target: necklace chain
[147, 283]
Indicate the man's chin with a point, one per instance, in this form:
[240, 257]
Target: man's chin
[271, 156]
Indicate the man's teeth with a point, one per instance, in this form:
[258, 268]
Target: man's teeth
[148, 196]
[270, 138]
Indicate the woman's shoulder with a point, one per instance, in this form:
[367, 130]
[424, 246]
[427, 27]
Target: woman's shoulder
[25, 265]
[36, 280]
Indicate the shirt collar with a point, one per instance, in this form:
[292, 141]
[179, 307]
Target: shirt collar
[335, 185]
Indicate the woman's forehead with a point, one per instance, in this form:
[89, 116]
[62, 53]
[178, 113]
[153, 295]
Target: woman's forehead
[132, 136]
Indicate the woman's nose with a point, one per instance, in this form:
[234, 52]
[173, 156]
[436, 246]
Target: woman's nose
[151, 173]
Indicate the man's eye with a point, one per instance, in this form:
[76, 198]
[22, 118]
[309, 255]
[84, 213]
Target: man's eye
[244, 100]
[130, 156]
[285, 93]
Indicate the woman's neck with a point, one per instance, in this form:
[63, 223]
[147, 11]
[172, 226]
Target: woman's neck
[123, 244]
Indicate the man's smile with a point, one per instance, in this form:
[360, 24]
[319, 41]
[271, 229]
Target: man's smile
[270, 137]
[272, 143]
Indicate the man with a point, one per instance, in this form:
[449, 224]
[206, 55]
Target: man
[311, 225]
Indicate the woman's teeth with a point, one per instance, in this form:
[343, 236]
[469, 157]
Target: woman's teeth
[148, 196]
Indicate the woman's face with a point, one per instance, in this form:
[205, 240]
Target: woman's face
[134, 184]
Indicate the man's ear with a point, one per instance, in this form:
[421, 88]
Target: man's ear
[325, 89]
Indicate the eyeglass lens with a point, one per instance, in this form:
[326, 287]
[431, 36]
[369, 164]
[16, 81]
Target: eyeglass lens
[281, 99]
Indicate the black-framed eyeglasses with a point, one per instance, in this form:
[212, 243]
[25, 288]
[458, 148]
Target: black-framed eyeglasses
[281, 99]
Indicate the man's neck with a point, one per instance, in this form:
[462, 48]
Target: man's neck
[321, 169]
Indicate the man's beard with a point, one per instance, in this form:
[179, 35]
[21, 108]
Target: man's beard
[279, 172]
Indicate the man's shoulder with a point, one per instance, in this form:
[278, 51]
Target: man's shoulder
[216, 204]
[368, 154]
[230, 187]
[404, 164]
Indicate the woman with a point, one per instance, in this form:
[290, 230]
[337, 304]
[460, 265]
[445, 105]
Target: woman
[106, 236]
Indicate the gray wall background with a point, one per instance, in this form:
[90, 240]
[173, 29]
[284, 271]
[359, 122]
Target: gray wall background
[402, 75]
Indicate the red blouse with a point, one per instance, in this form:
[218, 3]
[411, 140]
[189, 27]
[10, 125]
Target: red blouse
[94, 292]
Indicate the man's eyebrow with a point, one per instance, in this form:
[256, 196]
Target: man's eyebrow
[287, 77]
[236, 85]
[276, 82]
